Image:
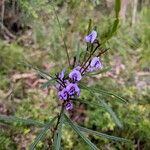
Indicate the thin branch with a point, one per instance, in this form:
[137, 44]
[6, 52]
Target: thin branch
[65, 45]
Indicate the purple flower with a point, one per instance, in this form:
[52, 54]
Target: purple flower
[73, 89]
[61, 74]
[91, 37]
[63, 95]
[69, 106]
[95, 63]
[75, 75]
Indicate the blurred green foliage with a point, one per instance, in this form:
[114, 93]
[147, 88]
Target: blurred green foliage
[130, 44]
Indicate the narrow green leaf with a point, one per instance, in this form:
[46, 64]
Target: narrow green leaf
[23, 122]
[89, 26]
[48, 83]
[95, 90]
[42, 133]
[111, 112]
[107, 107]
[89, 131]
[117, 7]
[42, 73]
[93, 104]
[98, 72]
[76, 129]
[114, 27]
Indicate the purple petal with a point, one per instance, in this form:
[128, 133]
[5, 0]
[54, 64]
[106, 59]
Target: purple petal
[63, 95]
[73, 89]
[61, 74]
[75, 75]
[91, 37]
[96, 63]
[69, 106]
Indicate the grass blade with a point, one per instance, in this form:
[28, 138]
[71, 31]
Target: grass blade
[23, 122]
[42, 133]
[89, 131]
[76, 129]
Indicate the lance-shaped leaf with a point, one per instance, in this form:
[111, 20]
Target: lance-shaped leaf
[92, 104]
[107, 107]
[97, 72]
[42, 133]
[48, 83]
[96, 90]
[76, 129]
[20, 121]
[117, 7]
[110, 111]
[42, 73]
[89, 131]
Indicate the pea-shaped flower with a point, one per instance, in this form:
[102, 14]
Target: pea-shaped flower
[61, 75]
[73, 89]
[75, 75]
[63, 95]
[69, 106]
[96, 63]
[91, 37]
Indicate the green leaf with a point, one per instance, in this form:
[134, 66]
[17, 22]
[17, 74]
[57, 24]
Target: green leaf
[95, 90]
[117, 7]
[114, 27]
[57, 136]
[111, 112]
[93, 104]
[107, 107]
[48, 83]
[89, 131]
[76, 129]
[23, 122]
[42, 133]
[89, 26]
[42, 73]
[98, 72]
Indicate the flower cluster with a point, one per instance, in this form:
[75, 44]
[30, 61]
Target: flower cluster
[67, 86]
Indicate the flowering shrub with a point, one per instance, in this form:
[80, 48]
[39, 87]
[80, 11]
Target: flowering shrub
[68, 87]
